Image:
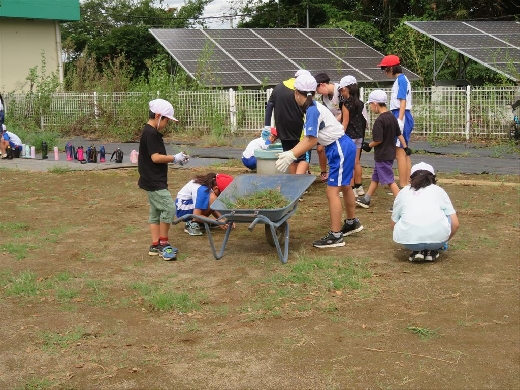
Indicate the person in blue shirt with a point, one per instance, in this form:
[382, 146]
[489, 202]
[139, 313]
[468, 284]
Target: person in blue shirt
[321, 126]
[197, 196]
[401, 106]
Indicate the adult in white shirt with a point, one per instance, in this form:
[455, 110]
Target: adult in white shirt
[423, 217]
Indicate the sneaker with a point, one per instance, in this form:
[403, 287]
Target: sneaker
[168, 252]
[416, 256]
[192, 228]
[347, 229]
[363, 203]
[154, 250]
[329, 241]
[431, 255]
[360, 191]
[355, 192]
[324, 176]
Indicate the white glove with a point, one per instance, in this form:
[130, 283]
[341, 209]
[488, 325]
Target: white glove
[266, 132]
[181, 158]
[284, 160]
[401, 124]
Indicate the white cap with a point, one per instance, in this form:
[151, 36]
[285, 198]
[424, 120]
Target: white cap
[347, 80]
[301, 71]
[163, 107]
[305, 83]
[422, 166]
[377, 96]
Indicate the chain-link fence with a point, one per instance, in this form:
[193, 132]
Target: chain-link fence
[467, 112]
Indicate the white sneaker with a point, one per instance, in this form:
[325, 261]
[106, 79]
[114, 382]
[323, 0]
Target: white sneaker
[360, 191]
[356, 193]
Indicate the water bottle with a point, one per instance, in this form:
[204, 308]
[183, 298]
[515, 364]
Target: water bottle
[102, 153]
[33, 152]
[27, 151]
[69, 152]
[56, 154]
[445, 246]
[22, 153]
[44, 150]
[133, 157]
[80, 153]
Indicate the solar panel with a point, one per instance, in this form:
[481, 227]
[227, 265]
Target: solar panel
[267, 56]
[494, 44]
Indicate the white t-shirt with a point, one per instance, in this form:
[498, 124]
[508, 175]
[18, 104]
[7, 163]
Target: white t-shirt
[14, 138]
[421, 216]
[321, 123]
[257, 143]
[332, 103]
[401, 90]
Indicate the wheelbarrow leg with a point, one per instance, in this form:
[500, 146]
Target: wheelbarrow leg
[224, 242]
[283, 256]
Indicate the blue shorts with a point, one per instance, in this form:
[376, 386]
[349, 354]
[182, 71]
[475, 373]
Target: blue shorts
[383, 173]
[341, 156]
[288, 145]
[249, 162]
[408, 126]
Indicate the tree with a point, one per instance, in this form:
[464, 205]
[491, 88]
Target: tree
[111, 28]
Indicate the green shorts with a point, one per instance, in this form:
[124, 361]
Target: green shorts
[162, 207]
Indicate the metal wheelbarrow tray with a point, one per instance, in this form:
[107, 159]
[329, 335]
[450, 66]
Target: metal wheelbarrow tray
[290, 186]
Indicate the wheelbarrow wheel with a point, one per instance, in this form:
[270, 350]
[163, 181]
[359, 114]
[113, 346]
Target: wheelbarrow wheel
[280, 232]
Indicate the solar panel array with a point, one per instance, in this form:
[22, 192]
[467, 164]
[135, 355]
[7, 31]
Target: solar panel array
[267, 56]
[494, 44]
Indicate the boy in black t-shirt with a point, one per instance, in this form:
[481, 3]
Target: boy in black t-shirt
[384, 132]
[153, 176]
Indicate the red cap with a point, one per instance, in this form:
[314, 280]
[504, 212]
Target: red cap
[223, 181]
[390, 60]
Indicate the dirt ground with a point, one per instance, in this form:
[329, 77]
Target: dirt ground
[85, 307]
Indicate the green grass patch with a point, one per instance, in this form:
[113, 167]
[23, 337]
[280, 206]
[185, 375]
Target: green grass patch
[36, 384]
[19, 251]
[304, 286]
[59, 170]
[424, 333]
[52, 341]
[24, 284]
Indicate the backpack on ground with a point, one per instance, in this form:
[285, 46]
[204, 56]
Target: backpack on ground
[92, 154]
[118, 154]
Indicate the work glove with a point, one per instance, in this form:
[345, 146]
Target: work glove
[365, 147]
[266, 133]
[181, 158]
[284, 160]
[401, 124]
[408, 151]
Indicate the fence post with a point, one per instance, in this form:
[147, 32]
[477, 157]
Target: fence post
[96, 109]
[268, 93]
[468, 110]
[41, 112]
[233, 109]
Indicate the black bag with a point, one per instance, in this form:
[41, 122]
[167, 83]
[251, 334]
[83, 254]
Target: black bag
[118, 154]
[92, 154]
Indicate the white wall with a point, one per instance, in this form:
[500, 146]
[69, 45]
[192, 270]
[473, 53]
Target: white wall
[21, 44]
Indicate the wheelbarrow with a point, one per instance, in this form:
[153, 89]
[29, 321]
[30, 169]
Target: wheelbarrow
[290, 186]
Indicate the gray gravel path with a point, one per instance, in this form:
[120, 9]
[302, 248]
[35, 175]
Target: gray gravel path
[456, 158]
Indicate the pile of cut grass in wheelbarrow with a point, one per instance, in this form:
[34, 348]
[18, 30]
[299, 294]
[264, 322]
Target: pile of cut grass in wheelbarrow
[262, 199]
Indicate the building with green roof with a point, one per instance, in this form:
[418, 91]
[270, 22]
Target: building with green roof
[29, 28]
